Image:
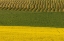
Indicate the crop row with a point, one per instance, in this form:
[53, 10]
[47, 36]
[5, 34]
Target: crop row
[33, 5]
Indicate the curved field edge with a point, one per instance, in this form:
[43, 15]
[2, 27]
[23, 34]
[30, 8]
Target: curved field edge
[26, 33]
[27, 18]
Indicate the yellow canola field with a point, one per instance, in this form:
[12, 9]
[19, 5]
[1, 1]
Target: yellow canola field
[27, 33]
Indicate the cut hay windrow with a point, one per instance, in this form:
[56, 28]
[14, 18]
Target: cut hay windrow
[33, 5]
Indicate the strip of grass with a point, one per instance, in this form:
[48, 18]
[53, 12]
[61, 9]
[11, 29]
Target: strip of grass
[25, 18]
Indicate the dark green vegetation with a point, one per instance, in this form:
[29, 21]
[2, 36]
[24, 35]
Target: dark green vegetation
[24, 18]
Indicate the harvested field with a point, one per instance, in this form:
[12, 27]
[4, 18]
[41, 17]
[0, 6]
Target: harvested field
[33, 5]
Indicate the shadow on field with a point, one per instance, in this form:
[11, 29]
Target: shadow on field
[37, 19]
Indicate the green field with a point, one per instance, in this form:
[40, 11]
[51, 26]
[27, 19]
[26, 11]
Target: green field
[27, 18]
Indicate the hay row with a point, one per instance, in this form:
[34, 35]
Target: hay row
[28, 5]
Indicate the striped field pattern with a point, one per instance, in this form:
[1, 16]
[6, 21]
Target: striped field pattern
[31, 20]
[33, 5]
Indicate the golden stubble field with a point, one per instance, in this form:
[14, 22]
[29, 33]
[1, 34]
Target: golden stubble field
[33, 5]
[27, 33]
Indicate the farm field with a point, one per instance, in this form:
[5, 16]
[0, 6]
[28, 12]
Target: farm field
[32, 20]
[33, 5]
[46, 13]
[27, 33]
[27, 18]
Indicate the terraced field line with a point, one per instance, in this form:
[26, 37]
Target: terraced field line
[27, 33]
